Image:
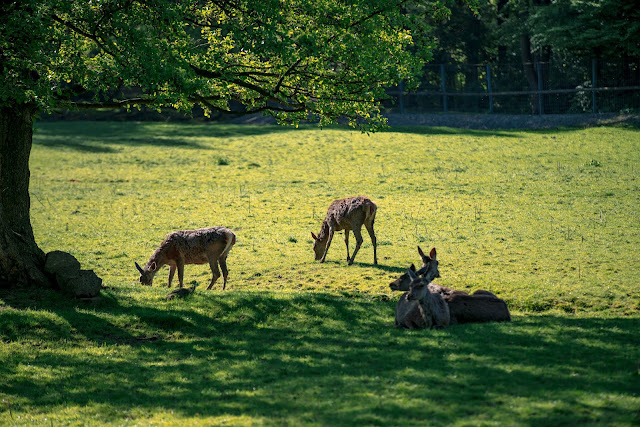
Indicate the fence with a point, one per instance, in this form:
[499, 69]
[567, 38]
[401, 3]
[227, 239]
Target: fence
[558, 87]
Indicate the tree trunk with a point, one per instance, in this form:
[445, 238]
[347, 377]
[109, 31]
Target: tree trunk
[21, 260]
[529, 70]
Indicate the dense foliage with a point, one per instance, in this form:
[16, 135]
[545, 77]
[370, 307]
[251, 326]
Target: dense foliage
[292, 58]
[526, 30]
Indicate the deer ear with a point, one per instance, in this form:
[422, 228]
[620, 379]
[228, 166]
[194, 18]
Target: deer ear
[432, 254]
[420, 252]
[412, 267]
[412, 275]
[314, 236]
[153, 266]
[139, 268]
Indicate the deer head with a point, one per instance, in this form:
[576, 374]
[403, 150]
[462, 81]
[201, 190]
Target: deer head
[429, 268]
[418, 288]
[403, 282]
[319, 246]
[146, 275]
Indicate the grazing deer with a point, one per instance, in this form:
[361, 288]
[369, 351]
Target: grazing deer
[205, 245]
[346, 214]
[419, 308]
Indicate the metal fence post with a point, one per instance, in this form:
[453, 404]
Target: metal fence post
[489, 89]
[443, 86]
[594, 85]
[540, 103]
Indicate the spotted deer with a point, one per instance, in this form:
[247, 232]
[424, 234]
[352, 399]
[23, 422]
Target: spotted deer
[205, 245]
[346, 214]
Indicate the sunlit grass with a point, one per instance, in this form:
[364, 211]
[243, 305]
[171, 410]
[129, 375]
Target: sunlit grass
[548, 220]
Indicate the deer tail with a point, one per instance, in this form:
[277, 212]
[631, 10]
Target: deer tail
[231, 240]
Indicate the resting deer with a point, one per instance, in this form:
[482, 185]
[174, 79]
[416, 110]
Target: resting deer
[482, 306]
[419, 308]
[346, 214]
[205, 245]
[429, 265]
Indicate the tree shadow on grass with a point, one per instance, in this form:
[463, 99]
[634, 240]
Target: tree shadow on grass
[108, 137]
[325, 359]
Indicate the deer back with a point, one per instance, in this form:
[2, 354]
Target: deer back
[478, 307]
[196, 246]
[353, 210]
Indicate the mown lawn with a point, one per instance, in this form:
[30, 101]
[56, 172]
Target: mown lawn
[547, 220]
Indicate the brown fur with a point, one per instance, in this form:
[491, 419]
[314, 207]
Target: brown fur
[421, 309]
[429, 268]
[205, 245]
[482, 306]
[347, 214]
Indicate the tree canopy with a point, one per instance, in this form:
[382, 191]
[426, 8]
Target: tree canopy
[295, 59]
[292, 58]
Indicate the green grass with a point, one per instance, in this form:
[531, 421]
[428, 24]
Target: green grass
[548, 220]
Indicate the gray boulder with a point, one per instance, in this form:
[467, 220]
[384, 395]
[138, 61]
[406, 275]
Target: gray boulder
[65, 269]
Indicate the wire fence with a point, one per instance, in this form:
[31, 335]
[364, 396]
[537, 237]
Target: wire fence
[558, 87]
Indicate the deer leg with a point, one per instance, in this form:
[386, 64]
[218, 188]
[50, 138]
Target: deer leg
[213, 263]
[374, 242]
[225, 271]
[346, 242]
[357, 233]
[328, 244]
[172, 271]
[180, 265]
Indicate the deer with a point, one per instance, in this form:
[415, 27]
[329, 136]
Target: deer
[205, 245]
[419, 308]
[346, 214]
[429, 265]
[481, 306]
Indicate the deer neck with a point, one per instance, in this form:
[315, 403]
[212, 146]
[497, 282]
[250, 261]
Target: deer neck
[159, 257]
[324, 231]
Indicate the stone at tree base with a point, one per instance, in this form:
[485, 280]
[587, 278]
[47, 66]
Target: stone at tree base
[59, 261]
[85, 285]
[64, 268]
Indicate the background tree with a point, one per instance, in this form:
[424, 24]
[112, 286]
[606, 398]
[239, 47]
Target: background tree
[290, 58]
[595, 29]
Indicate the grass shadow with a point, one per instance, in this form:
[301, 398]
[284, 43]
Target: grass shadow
[326, 359]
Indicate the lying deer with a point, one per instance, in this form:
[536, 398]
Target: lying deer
[419, 308]
[346, 214]
[481, 306]
[200, 246]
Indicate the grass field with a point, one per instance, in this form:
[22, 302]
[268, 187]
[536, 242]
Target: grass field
[547, 220]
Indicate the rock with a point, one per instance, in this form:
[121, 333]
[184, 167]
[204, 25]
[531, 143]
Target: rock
[180, 293]
[85, 285]
[65, 269]
[58, 261]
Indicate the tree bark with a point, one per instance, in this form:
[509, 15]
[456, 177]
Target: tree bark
[21, 260]
[529, 70]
